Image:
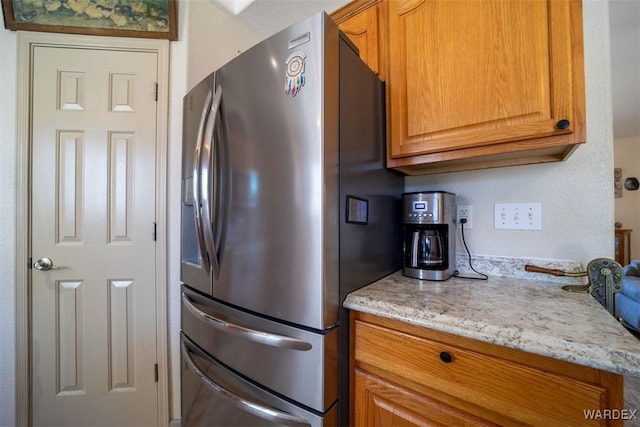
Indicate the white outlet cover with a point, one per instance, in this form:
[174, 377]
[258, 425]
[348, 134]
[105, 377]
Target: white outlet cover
[469, 209]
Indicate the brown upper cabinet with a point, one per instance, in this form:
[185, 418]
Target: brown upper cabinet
[474, 84]
[364, 23]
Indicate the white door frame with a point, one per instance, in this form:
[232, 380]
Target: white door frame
[27, 41]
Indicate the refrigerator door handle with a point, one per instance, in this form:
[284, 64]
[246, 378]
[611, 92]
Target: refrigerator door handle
[197, 160]
[265, 412]
[205, 183]
[254, 335]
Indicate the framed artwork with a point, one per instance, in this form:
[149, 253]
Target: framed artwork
[617, 182]
[125, 18]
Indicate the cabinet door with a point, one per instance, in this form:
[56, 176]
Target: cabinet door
[381, 403]
[363, 27]
[465, 74]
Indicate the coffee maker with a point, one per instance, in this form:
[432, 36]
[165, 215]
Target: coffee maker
[429, 235]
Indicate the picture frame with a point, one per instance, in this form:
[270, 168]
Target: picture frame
[122, 18]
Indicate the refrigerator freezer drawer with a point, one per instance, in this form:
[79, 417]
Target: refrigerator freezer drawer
[212, 395]
[297, 363]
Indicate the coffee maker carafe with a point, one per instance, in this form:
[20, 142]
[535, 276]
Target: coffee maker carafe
[426, 248]
[429, 235]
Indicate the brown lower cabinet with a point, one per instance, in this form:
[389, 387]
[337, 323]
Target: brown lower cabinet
[407, 375]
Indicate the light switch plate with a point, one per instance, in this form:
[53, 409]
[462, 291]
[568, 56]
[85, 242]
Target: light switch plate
[518, 216]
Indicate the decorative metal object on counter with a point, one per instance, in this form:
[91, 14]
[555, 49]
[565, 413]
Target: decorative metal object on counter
[605, 280]
[555, 272]
[605, 277]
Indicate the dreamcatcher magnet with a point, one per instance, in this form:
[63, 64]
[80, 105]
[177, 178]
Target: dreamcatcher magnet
[295, 73]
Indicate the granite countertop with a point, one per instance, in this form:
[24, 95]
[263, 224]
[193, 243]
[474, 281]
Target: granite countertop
[533, 316]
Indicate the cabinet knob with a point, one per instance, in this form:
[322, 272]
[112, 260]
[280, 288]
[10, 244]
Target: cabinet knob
[563, 124]
[446, 357]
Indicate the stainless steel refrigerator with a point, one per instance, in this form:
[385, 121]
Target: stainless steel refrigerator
[286, 208]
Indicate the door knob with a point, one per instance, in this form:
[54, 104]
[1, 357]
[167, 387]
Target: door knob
[45, 264]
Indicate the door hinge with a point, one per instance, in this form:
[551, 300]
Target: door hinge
[155, 231]
[155, 372]
[155, 93]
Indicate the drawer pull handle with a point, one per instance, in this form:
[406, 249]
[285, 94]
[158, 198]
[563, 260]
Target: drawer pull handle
[446, 357]
[262, 337]
[265, 412]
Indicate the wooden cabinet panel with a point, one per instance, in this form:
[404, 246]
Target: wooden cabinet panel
[467, 74]
[623, 246]
[492, 383]
[474, 84]
[390, 405]
[363, 22]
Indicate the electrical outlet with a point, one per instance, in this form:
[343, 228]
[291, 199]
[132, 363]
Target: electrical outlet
[518, 216]
[466, 212]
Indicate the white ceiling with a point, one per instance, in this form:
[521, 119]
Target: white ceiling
[266, 17]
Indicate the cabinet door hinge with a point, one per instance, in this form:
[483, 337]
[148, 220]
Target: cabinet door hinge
[155, 93]
[155, 231]
[155, 372]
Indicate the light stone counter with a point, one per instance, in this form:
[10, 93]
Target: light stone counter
[529, 315]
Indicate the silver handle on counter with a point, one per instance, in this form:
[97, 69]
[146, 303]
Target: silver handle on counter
[257, 409]
[261, 337]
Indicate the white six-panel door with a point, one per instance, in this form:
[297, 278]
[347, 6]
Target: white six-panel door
[93, 201]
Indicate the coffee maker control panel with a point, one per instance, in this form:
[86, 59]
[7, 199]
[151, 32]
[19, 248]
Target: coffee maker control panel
[422, 211]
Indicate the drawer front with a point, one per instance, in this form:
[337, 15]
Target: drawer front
[380, 403]
[212, 396]
[519, 392]
[296, 363]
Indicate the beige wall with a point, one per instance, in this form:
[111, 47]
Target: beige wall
[213, 38]
[627, 207]
[8, 77]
